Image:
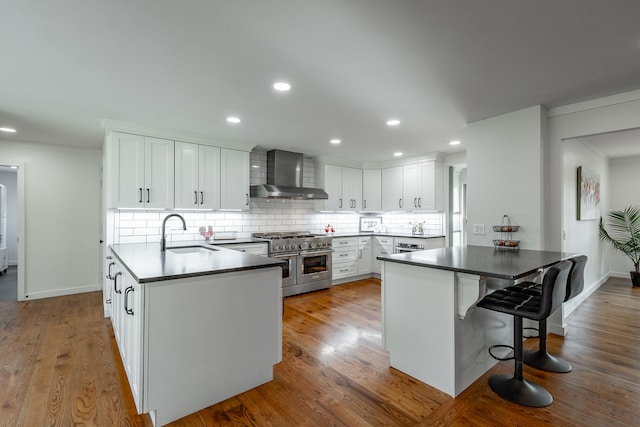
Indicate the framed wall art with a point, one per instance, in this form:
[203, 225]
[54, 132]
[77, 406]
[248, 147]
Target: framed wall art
[370, 223]
[588, 194]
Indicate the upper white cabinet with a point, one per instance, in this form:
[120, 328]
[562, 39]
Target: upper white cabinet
[234, 179]
[141, 171]
[344, 187]
[351, 189]
[430, 186]
[421, 187]
[371, 190]
[392, 189]
[197, 171]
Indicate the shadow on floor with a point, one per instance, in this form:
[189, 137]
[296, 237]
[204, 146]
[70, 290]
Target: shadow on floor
[9, 284]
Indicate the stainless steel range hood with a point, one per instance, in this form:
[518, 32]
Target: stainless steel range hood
[285, 179]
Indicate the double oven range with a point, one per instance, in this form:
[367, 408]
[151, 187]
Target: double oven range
[308, 256]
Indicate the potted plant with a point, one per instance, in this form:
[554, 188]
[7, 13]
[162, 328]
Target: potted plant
[624, 235]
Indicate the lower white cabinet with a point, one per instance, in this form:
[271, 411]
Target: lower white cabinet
[381, 246]
[177, 348]
[365, 255]
[345, 257]
[126, 318]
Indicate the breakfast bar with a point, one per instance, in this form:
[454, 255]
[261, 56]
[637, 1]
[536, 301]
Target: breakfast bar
[430, 324]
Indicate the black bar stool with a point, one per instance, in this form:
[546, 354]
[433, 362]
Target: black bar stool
[522, 304]
[540, 358]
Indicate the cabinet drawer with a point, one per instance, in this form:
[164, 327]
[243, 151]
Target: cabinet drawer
[345, 254]
[344, 242]
[363, 241]
[343, 270]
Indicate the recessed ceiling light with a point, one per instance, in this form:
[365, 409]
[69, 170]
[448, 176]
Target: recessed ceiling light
[10, 130]
[281, 86]
[398, 153]
[233, 119]
[393, 122]
[255, 166]
[456, 142]
[335, 141]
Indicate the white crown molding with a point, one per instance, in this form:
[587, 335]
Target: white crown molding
[155, 132]
[593, 104]
[435, 156]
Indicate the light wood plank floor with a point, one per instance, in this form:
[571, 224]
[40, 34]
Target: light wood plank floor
[60, 367]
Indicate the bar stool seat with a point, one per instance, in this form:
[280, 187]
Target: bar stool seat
[521, 302]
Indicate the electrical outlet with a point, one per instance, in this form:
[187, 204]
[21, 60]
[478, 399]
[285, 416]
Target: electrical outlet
[478, 228]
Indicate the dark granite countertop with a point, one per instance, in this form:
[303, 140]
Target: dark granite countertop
[363, 233]
[146, 263]
[481, 260]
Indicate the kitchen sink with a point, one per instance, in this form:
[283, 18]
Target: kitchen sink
[190, 250]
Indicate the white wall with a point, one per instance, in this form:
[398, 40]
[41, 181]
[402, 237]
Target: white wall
[10, 180]
[62, 198]
[624, 179]
[504, 163]
[581, 237]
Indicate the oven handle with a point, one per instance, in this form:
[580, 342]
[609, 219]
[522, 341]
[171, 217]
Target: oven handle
[316, 252]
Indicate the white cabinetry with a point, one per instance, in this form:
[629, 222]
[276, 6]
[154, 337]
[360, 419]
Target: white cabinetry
[371, 190]
[345, 257]
[365, 255]
[422, 186]
[132, 328]
[127, 322]
[381, 246]
[141, 171]
[392, 189]
[197, 176]
[234, 179]
[344, 187]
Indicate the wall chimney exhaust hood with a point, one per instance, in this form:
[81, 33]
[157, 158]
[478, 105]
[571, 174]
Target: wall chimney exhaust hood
[285, 179]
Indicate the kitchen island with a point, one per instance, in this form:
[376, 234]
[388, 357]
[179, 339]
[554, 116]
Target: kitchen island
[430, 324]
[194, 325]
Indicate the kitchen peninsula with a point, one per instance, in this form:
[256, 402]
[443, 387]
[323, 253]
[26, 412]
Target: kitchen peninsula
[430, 324]
[194, 325]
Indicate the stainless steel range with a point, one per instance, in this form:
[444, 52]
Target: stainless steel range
[309, 257]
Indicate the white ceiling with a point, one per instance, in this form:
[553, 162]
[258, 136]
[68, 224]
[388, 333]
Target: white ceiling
[185, 65]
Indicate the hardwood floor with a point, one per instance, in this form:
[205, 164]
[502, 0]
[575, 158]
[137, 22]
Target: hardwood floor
[60, 367]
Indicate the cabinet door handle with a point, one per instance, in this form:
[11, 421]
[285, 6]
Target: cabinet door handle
[115, 282]
[344, 255]
[359, 253]
[202, 197]
[419, 202]
[140, 194]
[109, 276]
[126, 300]
[364, 204]
[247, 199]
[415, 202]
[340, 205]
[148, 195]
[400, 203]
[195, 197]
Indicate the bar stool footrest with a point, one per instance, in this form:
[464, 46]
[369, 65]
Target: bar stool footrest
[531, 336]
[502, 359]
[520, 391]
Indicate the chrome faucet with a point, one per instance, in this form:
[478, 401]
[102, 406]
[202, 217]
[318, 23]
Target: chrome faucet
[163, 241]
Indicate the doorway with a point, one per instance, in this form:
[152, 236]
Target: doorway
[12, 178]
[457, 222]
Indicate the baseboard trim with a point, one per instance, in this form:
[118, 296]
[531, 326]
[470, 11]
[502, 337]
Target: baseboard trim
[62, 292]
